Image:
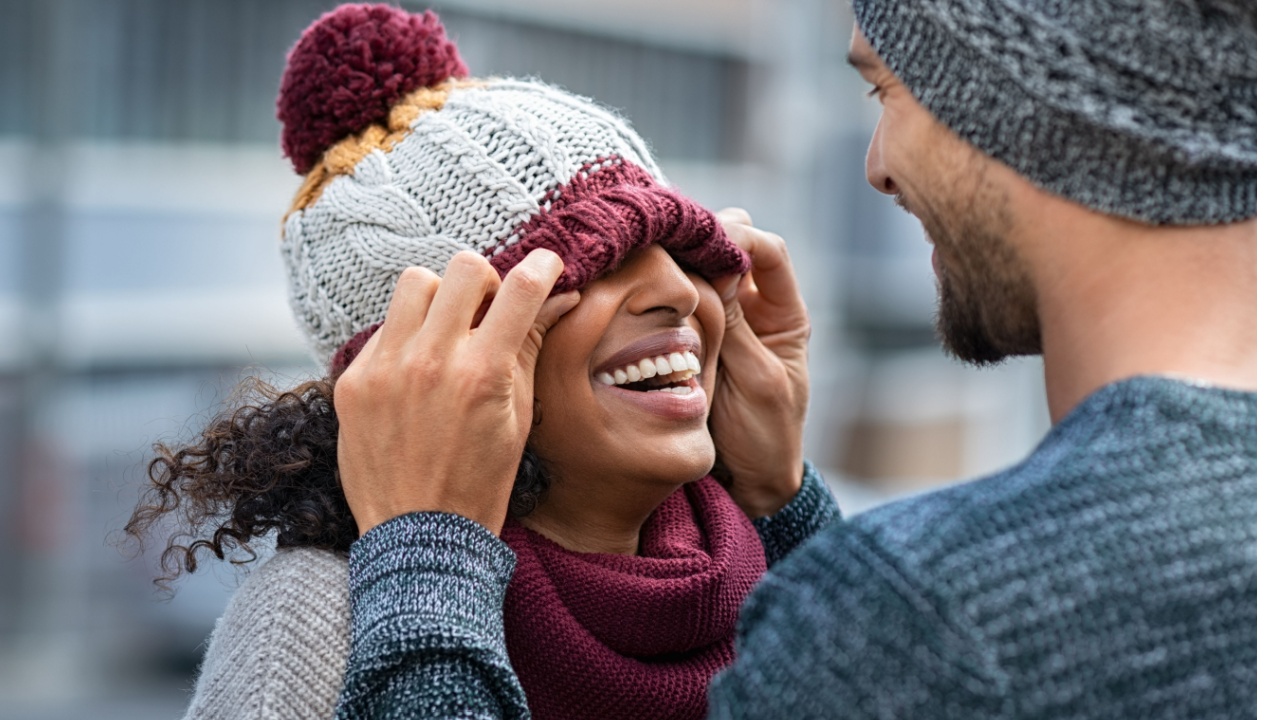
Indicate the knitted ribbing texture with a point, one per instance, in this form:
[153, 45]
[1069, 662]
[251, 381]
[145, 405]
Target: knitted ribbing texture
[1113, 574]
[801, 519]
[1146, 109]
[280, 649]
[427, 592]
[499, 169]
[598, 635]
[408, 164]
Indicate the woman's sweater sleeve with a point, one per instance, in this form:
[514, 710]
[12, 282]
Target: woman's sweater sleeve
[812, 509]
[427, 640]
[279, 650]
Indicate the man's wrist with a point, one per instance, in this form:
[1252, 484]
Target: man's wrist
[759, 500]
[811, 510]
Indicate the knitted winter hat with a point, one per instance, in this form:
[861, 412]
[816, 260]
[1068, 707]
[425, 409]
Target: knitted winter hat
[408, 162]
[1141, 108]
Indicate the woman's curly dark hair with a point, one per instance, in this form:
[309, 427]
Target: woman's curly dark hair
[267, 464]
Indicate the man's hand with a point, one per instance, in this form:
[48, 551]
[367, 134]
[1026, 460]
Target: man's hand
[757, 417]
[435, 410]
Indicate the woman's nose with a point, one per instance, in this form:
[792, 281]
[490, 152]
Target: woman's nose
[659, 283]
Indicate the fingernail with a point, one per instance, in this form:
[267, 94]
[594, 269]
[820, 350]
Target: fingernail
[730, 291]
[565, 302]
[545, 255]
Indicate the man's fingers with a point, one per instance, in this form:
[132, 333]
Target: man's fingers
[468, 281]
[408, 309]
[555, 308]
[741, 347]
[552, 310]
[771, 271]
[518, 302]
[370, 348]
[727, 288]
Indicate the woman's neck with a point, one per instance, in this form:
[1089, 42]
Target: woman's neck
[596, 517]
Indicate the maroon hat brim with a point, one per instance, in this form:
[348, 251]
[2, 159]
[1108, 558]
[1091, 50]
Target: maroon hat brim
[610, 208]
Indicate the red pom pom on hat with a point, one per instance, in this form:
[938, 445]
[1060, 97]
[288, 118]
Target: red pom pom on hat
[350, 68]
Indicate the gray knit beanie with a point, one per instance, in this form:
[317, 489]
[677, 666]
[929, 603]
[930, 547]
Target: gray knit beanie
[1147, 109]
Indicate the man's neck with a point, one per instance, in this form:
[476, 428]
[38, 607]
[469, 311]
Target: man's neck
[1118, 299]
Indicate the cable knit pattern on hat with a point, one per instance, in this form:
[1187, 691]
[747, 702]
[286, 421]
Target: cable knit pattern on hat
[1141, 108]
[280, 649]
[502, 167]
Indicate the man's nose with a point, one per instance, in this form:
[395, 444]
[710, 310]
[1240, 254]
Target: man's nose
[877, 172]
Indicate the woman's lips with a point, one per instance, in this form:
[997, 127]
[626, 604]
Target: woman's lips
[666, 369]
[690, 405]
[667, 365]
[675, 340]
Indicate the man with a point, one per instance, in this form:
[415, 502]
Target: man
[1087, 178]
[1086, 172]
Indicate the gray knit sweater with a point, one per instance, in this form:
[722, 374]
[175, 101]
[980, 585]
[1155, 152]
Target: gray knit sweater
[280, 650]
[1112, 574]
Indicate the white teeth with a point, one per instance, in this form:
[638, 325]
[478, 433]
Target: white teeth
[648, 369]
[680, 365]
[677, 390]
[662, 364]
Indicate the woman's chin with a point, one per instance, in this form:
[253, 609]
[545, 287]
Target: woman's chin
[684, 462]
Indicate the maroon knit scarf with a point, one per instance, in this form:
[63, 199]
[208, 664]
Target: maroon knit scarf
[636, 637]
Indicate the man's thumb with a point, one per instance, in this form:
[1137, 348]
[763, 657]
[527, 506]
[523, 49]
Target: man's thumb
[552, 310]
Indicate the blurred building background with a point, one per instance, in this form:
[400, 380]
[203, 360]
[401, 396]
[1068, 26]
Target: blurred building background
[141, 190]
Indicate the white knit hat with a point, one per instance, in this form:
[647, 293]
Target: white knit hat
[441, 164]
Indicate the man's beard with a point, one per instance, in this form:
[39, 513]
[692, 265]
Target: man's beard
[986, 302]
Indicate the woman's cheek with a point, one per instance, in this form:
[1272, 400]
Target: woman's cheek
[709, 323]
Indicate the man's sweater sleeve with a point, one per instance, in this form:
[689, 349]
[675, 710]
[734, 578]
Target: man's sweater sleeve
[812, 509]
[427, 640]
[426, 600]
[840, 629]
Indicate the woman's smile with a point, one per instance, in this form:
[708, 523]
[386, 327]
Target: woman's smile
[658, 374]
[626, 379]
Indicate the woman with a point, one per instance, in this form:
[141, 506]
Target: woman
[631, 560]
